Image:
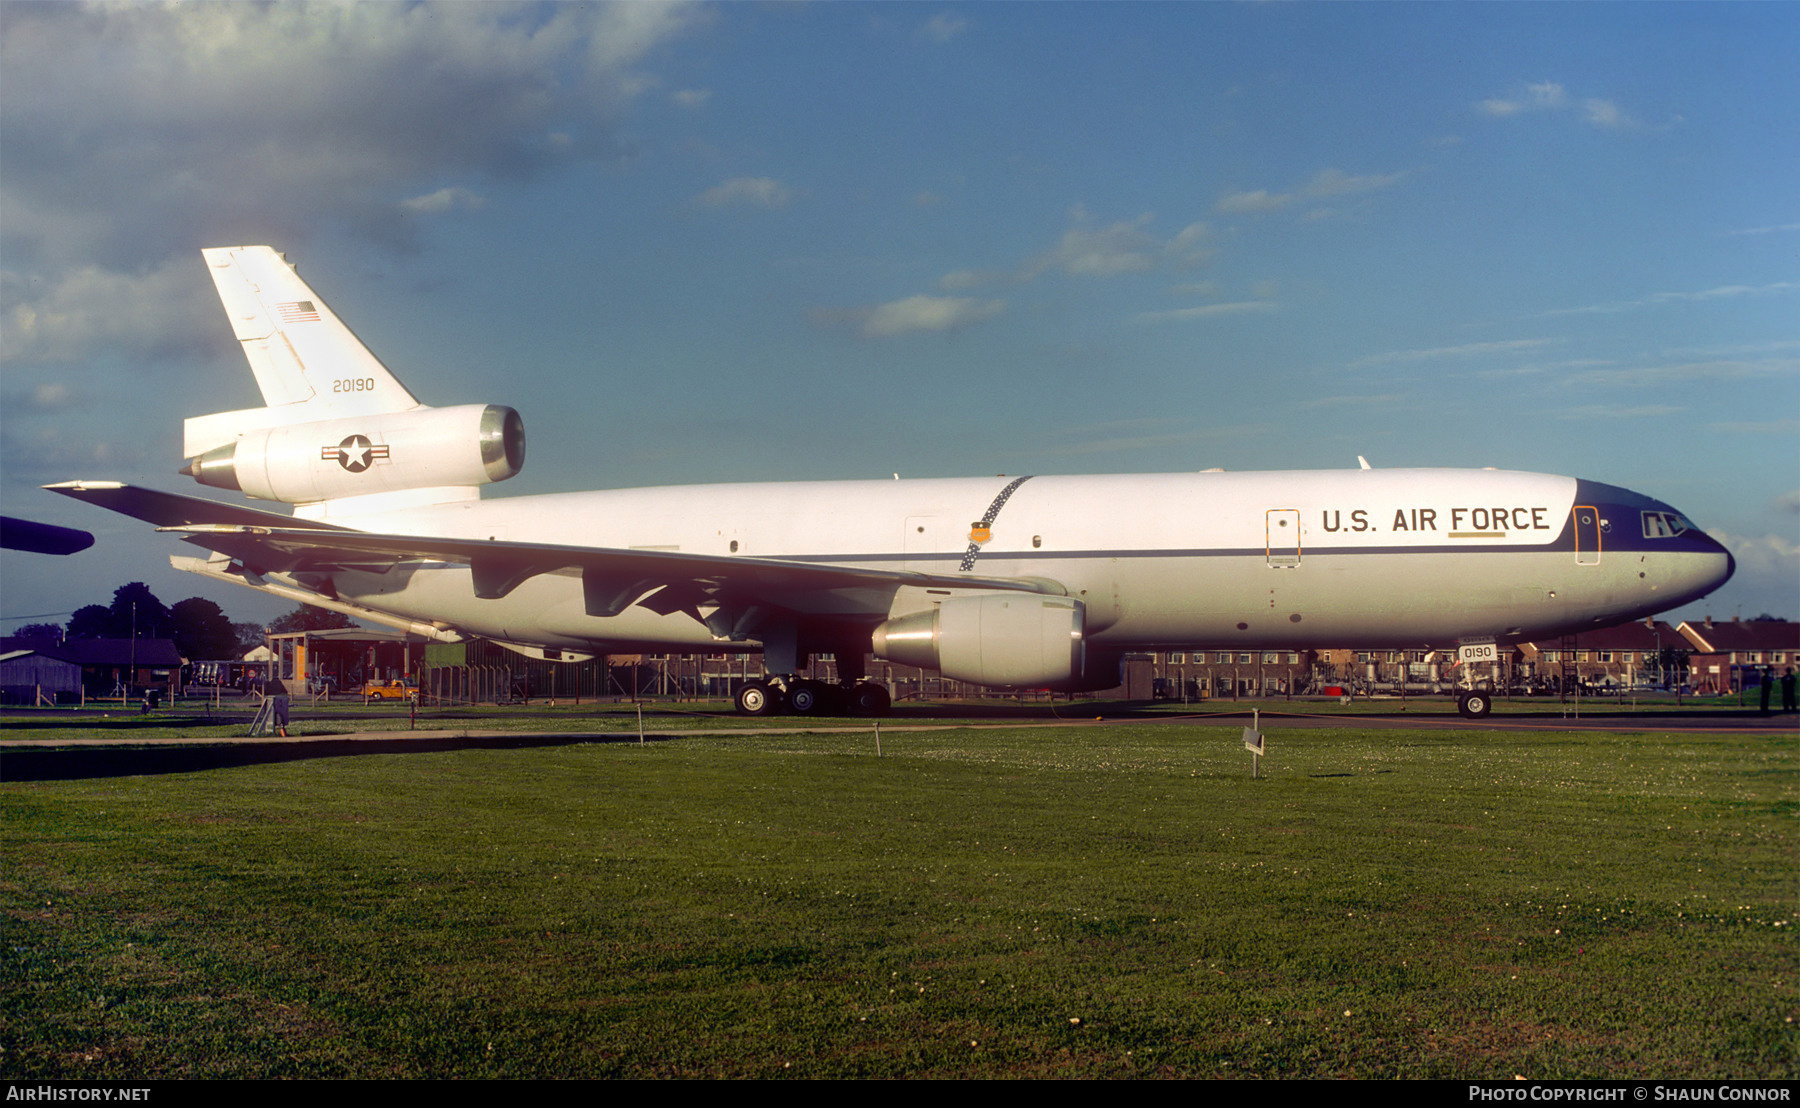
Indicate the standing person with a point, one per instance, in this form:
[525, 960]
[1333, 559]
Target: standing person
[1787, 691]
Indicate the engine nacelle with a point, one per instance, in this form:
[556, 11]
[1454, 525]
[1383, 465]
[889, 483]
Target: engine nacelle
[1016, 639]
[301, 463]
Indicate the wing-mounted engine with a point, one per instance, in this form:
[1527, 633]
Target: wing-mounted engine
[329, 459]
[1021, 640]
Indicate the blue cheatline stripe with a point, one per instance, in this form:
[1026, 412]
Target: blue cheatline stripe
[974, 550]
[1216, 552]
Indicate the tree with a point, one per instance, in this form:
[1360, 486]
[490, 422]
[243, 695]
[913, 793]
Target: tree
[249, 637]
[134, 610]
[93, 621]
[51, 631]
[202, 631]
[1672, 664]
[308, 618]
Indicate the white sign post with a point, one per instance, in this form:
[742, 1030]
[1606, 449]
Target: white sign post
[1253, 741]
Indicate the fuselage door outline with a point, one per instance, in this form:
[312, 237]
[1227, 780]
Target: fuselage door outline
[1281, 529]
[1587, 534]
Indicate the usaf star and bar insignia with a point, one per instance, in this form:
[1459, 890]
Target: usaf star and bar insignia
[356, 453]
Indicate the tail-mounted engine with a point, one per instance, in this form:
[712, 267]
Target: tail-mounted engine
[1022, 640]
[302, 463]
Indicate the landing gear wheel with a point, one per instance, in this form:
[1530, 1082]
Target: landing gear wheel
[870, 700]
[806, 698]
[757, 699]
[1474, 705]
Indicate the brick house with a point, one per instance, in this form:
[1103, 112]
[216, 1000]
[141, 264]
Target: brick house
[1727, 657]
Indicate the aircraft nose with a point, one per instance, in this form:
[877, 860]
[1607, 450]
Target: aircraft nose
[1710, 566]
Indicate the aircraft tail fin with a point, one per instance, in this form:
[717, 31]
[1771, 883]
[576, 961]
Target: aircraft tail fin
[339, 434]
[307, 363]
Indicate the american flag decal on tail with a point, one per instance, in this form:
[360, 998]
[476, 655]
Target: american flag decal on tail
[297, 311]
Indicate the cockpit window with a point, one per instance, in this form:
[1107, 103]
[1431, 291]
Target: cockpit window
[1664, 525]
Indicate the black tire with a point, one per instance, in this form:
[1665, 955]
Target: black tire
[870, 700]
[757, 699]
[806, 698]
[1475, 705]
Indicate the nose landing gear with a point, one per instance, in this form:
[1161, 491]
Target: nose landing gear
[1474, 705]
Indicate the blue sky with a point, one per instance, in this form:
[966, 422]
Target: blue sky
[797, 241]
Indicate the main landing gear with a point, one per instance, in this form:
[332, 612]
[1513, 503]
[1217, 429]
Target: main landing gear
[805, 697]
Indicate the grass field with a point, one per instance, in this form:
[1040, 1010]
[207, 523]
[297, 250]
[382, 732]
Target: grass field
[1098, 901]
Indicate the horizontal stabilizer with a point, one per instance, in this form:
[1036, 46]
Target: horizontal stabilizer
[42, 538]
[167, 509]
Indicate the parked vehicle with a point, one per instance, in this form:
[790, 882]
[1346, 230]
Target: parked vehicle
[398, 688]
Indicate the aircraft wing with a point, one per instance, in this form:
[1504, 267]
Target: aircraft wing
[612, 579]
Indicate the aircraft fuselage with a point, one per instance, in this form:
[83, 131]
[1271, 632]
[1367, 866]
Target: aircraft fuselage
[1378, 558]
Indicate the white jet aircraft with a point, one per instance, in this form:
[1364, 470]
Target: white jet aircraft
[1018, 582]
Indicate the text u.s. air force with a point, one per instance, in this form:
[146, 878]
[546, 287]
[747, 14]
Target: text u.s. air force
[1486, 520]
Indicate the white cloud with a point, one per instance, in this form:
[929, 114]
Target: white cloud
[75, 313]
[1325, 183]
[42, 397]
[1616, 411]
[1767, 565]
[1335, 182]
[1190, 246]
[1116, 250]
[1682, 373]
[50, 452]
[50, 396]
[1549, 96]
[1260, 200]
[1197, 288]
[1119, 249]
[1467, 350]
[1787, 426]
[1387, 400]
[1773, 229]
[137, 130]
[927, 313]
[970, 279]
[1604, 113]
[692, 97]
[443, 200]
[1103, 252]
[1207, 311]
[137, 133]
[755, 192]
[1118, 437]
[1721, 292]
[944, 27]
